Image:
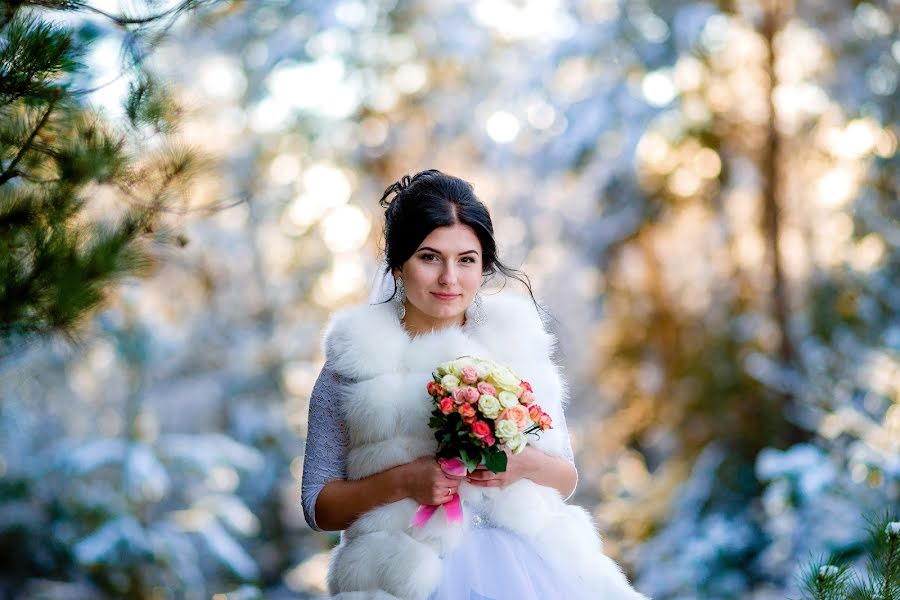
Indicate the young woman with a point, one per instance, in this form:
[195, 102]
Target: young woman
[370, 454]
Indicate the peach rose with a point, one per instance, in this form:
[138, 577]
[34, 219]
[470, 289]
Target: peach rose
[535, 412]
[446, 405]
[468, 413]
[469, 375]
[544, 422]
[519, 415]
[486, 389]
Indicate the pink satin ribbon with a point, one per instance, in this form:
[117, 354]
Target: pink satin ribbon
[453, 508]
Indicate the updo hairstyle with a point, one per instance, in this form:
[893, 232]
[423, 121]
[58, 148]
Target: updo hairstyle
[431, 199]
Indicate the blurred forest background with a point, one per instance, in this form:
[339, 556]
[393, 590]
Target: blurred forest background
[703, 193]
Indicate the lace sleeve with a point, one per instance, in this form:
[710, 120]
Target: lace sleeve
[327, 441]
[560, 424]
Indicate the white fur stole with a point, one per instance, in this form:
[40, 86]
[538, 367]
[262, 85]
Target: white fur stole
[387, 411]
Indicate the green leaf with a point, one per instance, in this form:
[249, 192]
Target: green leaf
[470, 461]
[495, 461]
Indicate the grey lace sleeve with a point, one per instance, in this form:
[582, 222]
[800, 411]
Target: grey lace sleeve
[327, 441]
[560, 424]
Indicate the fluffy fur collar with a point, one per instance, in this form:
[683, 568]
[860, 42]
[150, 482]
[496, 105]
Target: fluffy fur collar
[368, 344]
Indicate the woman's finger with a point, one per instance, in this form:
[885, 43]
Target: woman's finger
[445, 494]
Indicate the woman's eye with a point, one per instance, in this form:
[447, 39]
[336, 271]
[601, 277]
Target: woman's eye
[429, 257]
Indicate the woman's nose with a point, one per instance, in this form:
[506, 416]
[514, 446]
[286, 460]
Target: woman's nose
[448, 274]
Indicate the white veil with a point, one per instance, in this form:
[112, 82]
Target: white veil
[382, 287]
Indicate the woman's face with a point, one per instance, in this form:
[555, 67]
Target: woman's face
[443, 274]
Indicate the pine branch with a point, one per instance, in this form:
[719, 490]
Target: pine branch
[891, 569]
[124, 20]
[34, 54]
[826, 580]
[10, 171]
[55, 265]
[883, 568]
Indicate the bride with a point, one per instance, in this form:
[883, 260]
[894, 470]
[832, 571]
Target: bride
[370, 454]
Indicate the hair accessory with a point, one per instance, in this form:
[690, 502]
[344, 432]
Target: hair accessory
[397, 187]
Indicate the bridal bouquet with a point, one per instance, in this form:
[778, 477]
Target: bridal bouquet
[481, 410]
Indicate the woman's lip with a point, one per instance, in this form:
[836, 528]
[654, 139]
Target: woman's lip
[445, 296]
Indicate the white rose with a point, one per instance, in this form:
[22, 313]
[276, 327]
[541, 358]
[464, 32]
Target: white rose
[517, 443]
[506, 429]
[462, 362]
[444, 368]
[450, 382]
[507, 399]
[504, 379]
[484, 368]
[489, 406]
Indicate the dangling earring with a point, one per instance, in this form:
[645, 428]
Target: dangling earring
[399, 298]
[478, 312]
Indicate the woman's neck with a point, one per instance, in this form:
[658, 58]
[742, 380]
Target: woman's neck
[416, 322]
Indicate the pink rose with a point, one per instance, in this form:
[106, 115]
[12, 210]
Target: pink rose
[490, 440]
[468, 413]
[518, 414]
[486, 389]
[469, 374]
[526, 397]
[432, 388]
[544, 421]
[535, 412]
[524, 386]
[446, 405]
[481, 429]
[465, 393]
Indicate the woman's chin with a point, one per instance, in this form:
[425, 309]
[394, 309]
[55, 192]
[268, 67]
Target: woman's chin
[444, 312]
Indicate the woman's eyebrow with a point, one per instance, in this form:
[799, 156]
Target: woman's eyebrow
[429, 248]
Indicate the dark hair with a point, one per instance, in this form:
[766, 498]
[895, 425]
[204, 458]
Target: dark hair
[432, 199]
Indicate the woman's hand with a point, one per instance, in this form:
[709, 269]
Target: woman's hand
[533, 464]
[518, 466]
[426, 483]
